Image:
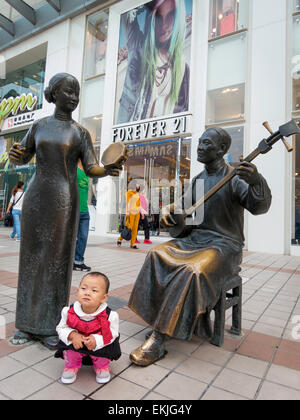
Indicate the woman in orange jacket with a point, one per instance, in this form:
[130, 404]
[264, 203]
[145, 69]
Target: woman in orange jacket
[133, 209]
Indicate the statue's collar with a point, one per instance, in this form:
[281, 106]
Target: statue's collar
[215, 166]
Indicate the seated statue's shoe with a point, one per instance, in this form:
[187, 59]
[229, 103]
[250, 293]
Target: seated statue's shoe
[150, 352]
[50, 342]
[21, 338]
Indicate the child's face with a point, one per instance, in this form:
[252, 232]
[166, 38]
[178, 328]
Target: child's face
[92, 293]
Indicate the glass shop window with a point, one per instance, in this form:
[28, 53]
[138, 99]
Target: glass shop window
[92, 92]
[296, 5]
[296, 65]
[96, 42]
[227, 60]
[94, 74]
[237, 146]
[227, 16]
[25, 80]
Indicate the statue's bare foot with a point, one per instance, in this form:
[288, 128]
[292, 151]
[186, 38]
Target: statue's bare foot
[151, 351]
[21, 338]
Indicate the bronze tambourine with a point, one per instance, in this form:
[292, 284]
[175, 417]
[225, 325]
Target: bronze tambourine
[114, 156]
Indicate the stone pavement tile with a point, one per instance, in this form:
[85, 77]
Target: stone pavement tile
[32, 354]
[290, 346]
[10, 317]
[3, 398]
[23, 384]
[9, 367]
[130, 328]
[198, 369]
[275, 392]
[216, 394]
[212, 354]
[287, 359]
[258, 346]
[147, 377]
[120, 389]
[50, 367]
[284, 376]
[182, 346]
[276, 322]
[129, 345]
[248, 365]
[56, 392]
[232, 344]
[171, 360]
[237, 383]
[11, 292]
[86, 381]
[277, 314]
[268, 329]
[10, 307]
[121, 364]
[288, 335]
[153, 396]
[5, 300]
[7, 348]
[180, 387]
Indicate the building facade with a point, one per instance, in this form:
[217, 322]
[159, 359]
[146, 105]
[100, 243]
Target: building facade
[156, 74]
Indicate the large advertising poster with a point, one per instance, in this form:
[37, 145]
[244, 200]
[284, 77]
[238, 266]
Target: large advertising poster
[154, 61]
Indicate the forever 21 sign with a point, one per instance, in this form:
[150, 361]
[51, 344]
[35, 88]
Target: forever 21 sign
[168, 127]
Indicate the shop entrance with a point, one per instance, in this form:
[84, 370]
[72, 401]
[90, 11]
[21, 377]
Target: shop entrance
[163, 167]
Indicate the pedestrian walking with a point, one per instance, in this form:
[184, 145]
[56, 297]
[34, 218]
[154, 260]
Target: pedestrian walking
[84, 220]
[15, 204]
[144, 216]
[133, 208]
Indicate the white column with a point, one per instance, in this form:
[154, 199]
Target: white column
[267, 80]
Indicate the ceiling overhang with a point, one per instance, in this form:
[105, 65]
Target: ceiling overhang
[34, 21]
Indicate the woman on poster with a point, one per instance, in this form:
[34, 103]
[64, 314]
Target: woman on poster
[157, 77]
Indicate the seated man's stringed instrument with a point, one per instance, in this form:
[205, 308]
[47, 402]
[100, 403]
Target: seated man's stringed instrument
[180, 228]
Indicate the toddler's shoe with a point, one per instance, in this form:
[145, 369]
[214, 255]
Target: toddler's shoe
[69, 376]
[102, 376]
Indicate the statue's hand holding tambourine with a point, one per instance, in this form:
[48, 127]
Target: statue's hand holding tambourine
[114, 157]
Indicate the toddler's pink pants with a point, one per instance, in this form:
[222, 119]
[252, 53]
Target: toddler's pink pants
[73, 360]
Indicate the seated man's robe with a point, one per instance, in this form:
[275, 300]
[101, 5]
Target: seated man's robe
[181, 280]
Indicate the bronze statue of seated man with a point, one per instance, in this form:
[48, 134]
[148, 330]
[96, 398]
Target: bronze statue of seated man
[181, 280]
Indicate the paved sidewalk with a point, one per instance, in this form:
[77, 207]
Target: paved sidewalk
[262, 364]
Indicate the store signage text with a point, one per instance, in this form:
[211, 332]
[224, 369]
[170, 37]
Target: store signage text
[15, 105]
[21, 119]
[153, 129]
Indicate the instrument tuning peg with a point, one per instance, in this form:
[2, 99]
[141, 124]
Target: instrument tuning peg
[285, 142]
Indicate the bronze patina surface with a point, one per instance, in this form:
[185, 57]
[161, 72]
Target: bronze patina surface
[181, 280]
[50, 211]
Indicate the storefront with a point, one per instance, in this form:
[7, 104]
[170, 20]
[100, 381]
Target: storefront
[156, 77]
[21, 102]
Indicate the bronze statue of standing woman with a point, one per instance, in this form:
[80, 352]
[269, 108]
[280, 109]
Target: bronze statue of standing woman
[50, 212]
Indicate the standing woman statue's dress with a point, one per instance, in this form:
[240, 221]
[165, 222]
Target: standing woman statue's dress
[50, 212]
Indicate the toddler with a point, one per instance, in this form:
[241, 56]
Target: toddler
[89, 328]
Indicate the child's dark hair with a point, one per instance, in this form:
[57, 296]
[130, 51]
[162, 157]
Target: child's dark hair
[98, 274]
